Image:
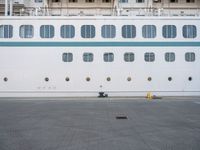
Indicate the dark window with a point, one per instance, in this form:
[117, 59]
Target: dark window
[169, 31]
[67, 31]
[47, 31]
[6, 31]
[149, 31]
[169, 57]
[128, 31]
[108, 31]
[149, 57]
[129, 57]
[67, 57]
[190, 57]
[88, 31]
[108, 57]
[88, 57]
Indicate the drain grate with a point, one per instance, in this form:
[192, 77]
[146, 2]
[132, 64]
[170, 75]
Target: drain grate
[121, 117]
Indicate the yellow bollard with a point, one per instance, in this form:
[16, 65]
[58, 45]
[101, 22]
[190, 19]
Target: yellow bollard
[149, 96]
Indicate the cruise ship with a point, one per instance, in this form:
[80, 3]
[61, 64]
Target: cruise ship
[89, 48]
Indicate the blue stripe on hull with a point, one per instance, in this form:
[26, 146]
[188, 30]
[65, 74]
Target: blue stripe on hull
[99, 44]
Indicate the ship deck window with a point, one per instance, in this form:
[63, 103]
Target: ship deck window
[38, 1]
[67, 31]
[128, 31]
[108, 31]
[6, 31]
[89, 1]
[170, 57]
[190, 57]
[55, 1]
[108, 57]
[123, 1]
[190, 1]
[106, 1]
[139, 1]
[67, 57]
[73, 1]
[47, 31]
[189, 31]
[129, 57]
[169, 31]
[149, 57]
[88, 31]
[88, 57]
[26, 31]
[149, 31]
[173, 1]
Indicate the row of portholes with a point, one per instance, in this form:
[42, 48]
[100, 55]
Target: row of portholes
[108, 79]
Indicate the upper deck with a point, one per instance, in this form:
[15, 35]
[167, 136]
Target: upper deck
[100, 7]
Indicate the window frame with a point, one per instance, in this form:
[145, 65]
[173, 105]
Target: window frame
[30, 30]
[51, 32]
[108, 57]
[149, 31]
[150, 56]
[67, 57]
[7, 31]
[67, 31]
[111, 29]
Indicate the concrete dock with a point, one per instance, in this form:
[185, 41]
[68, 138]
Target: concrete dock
[100, 124]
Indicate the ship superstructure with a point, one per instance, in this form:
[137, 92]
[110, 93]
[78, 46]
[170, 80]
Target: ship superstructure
[92, 47]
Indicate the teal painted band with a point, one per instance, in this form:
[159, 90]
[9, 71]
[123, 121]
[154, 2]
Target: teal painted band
[99, 44]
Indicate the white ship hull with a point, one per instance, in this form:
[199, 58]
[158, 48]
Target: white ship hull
[27, 62]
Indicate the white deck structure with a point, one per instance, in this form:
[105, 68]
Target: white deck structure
[61, 49]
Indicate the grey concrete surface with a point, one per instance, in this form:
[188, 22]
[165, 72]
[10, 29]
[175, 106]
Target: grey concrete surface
[91, 124]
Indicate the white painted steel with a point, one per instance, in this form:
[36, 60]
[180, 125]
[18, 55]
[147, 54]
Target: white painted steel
[27, 67]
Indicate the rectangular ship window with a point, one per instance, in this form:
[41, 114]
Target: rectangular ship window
[190, 57]
[73, 1]
[139, 1]
[108, 57]
[89, 1]
[106, 1]
[67, 31]
[6, 31]
[38, 1]
[67, 57]
[123, 1]
[108, 31]
[47, 31]
[26, 31]
[149, 57]
[169, 31]
[189, 31]
[88, 31]
[170, 57]
[88, 57]
[129, 57]
[128, 31]
[149, 31]
[173, 1]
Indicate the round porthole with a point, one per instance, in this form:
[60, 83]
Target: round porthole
[169, 78]
[108, 79]
[190, 78]
[129, 79]
[5, 79]
[149, 78]
[88, 79]
[46, 79]
[67, 79]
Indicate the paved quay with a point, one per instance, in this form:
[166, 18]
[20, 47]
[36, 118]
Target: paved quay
[100, 123]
